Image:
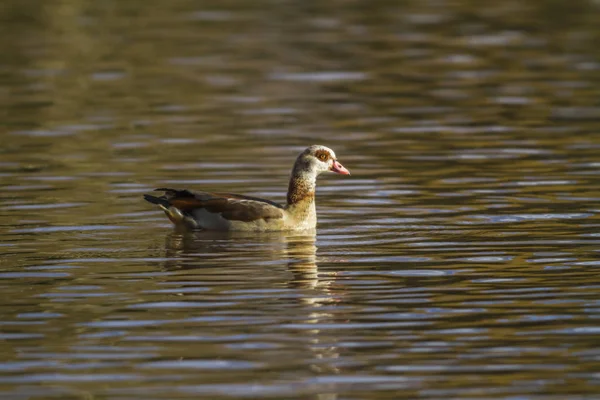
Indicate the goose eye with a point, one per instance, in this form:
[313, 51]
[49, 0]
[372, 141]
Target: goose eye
[323, 157]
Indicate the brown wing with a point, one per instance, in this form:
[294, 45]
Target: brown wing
[231, 206]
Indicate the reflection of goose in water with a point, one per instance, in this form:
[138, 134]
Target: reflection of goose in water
[270, 259]
[188, 250]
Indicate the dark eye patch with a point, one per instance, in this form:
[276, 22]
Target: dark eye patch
[322, 155]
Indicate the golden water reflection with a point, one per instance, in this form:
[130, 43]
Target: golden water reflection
[458, 261]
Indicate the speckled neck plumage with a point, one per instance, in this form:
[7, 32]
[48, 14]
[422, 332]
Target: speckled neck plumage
[302, 184]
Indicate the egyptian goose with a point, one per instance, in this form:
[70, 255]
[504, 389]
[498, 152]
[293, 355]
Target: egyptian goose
[234, 212]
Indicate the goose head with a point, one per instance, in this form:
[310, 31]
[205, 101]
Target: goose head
[318, 159]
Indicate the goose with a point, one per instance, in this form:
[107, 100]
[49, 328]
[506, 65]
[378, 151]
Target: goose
[235, 212]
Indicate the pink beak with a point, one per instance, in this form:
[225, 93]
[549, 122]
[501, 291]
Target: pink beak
[339, 168]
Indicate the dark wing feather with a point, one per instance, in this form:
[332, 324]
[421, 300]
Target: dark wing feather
[233, 207]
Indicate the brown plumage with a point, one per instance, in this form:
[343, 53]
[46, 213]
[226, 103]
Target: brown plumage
[226, 211]
[233, 207]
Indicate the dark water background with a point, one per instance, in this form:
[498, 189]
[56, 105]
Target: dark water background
[460, 260]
